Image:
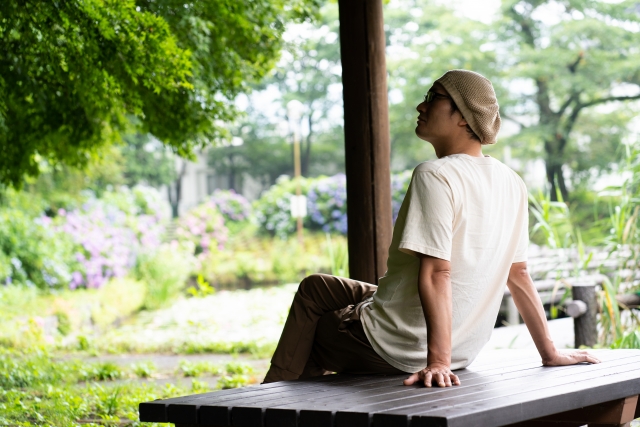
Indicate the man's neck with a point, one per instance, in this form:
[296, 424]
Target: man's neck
[470, 148]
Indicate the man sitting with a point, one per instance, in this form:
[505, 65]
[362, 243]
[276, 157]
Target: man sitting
[461, 233]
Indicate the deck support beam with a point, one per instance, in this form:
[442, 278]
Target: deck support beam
[615, 413]
[366, 131]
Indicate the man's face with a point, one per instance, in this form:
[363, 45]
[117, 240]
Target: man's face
[435, 119]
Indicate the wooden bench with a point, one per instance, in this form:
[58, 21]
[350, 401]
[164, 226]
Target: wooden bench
[502, 387]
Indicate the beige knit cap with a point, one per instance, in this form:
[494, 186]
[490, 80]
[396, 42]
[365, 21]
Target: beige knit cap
[476, 99]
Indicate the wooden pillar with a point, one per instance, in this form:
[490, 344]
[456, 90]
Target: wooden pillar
[585, 326]
[366, 131]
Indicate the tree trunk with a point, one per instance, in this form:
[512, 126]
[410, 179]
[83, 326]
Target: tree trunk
[306, 152]
[553, 164]
[556, 180]
[232, 174]
[174, 199]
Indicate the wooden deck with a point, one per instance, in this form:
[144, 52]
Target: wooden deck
[500, 388]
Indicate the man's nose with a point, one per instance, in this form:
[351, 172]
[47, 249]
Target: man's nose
[422, 107]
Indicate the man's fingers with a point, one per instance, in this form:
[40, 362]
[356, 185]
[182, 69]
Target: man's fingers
[439, 379]
[447, 381]
[412, 379]
[428, 377]
[589, 358]
[455, 380]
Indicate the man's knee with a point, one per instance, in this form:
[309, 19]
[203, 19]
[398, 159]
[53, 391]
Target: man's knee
[310, 282]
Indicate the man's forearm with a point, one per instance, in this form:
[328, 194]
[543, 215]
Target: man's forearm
[434, 286]
[530, 307]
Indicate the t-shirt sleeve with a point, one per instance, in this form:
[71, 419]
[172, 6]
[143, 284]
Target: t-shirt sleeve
[428, 226]
[522, 228]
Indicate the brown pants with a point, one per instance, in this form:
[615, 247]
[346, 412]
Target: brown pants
[323, 332]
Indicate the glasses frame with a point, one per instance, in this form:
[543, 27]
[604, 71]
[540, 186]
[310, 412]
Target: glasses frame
[432, 96]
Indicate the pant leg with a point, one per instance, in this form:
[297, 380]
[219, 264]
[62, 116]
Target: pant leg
[317, 295]
[345, 349]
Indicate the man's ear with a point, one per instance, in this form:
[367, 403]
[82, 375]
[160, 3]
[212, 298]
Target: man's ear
[462, 122]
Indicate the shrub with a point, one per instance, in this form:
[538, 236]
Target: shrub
[196, 369]
[118, 299]
[203, 227]
[272, 210]
[165, 272]
[102, 372]
[33, 253]
[327, 204]
[113, 231]
[233, 207]
[144, 369]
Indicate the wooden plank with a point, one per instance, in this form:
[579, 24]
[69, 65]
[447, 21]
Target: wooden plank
[413, 399]
[366, 131]
[441, 398]
[392, 396]
[280, 414]
[503, 409]
[383, 391]
[384, 388]
[220, 412]
[157, 410]
[352, 400]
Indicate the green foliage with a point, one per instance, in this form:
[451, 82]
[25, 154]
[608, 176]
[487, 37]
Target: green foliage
[272, 210]
[29, 371]
[144, 369]
[75, 74]
[232, 381]
[147, 161]
[102, 372]
[119, 299]
[235, 368]
[573, 64]
[32, 253]
[165, 273]
[309, 72]
[202, 288]
[630, 340]
[37, 389]
[71, 73]
[251, 260]
[196, 369]
[64, 324]
[339, 256]
[202, 228]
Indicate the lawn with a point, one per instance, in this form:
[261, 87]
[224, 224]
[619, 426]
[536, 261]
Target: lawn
[95, 375]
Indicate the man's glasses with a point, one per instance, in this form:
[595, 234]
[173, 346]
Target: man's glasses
[430, 96]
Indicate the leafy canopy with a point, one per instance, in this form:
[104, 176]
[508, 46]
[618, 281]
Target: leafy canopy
[73, 74]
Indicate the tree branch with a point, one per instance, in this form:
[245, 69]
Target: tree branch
[513, 119]
[609, 99]
[573, 97]
[576, 111]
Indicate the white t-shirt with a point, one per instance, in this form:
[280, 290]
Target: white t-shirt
[473, 212]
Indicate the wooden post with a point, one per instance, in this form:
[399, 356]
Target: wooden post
[586, 326]
[366, 131]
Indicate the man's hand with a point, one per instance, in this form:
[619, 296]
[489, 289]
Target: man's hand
[439, 374]
[570, 358]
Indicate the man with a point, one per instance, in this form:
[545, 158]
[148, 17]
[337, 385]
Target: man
[461, 233]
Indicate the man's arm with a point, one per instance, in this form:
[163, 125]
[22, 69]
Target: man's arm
[434, 287]
[530, 307]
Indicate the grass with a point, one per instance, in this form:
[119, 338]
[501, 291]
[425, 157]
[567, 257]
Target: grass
[41, 385]
[36, 388]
